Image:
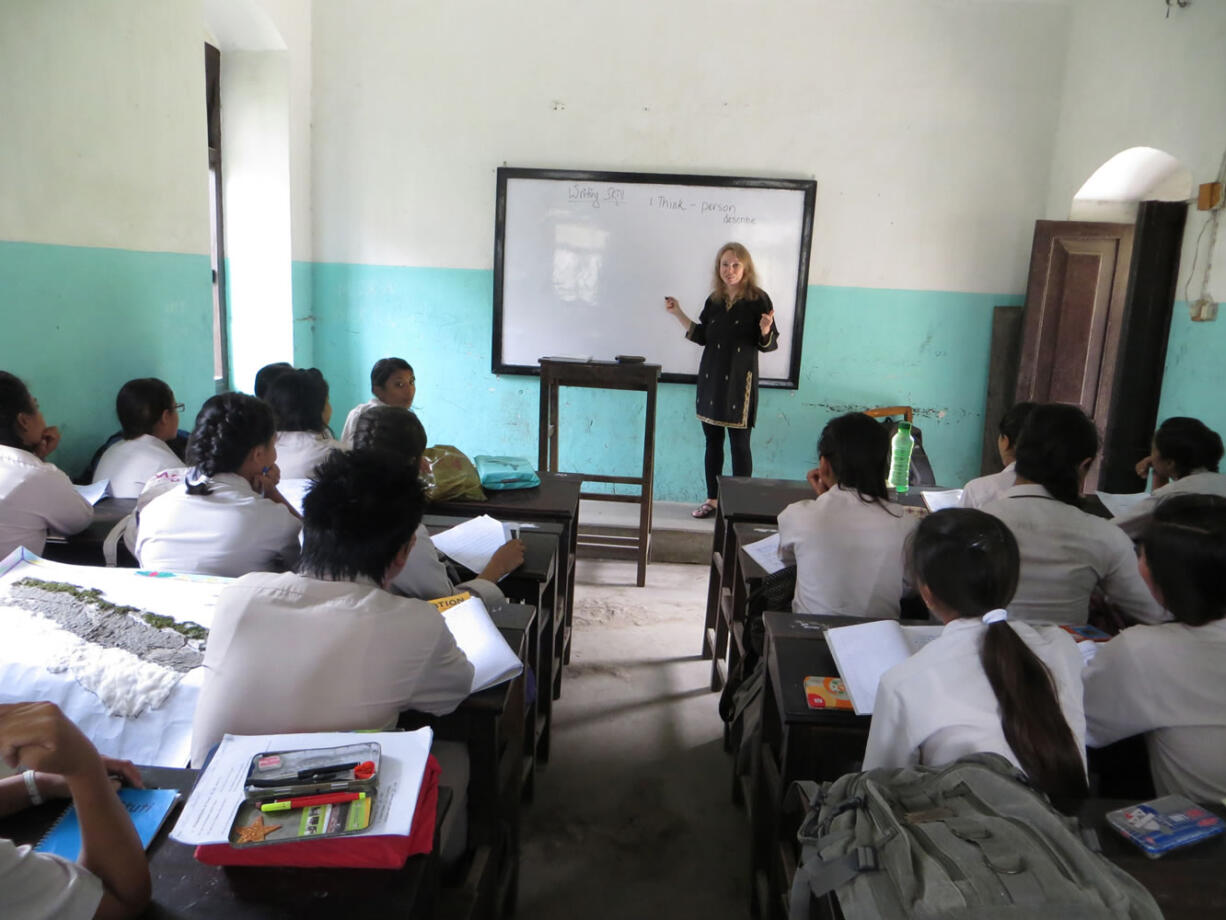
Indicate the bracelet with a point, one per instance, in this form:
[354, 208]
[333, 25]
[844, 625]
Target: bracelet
[36, 797]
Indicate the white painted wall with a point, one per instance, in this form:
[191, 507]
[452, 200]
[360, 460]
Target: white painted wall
[256, 182]
[927, 123]
[102, 129]
[1136, 78]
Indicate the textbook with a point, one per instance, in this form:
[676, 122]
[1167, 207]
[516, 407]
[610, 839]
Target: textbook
[864, 653]
[1166, 824]
[148, 809]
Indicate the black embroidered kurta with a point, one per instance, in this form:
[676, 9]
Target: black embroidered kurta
[728, 371]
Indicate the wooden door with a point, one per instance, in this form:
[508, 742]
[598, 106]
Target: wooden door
[1075, 299]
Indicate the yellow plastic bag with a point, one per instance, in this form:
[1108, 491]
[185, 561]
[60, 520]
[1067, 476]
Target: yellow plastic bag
[450, 476]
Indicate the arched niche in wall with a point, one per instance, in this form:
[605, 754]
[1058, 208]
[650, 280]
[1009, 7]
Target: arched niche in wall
[255, 143]
[1131, 176]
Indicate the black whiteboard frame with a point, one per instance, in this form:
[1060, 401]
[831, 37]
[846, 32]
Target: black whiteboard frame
[808, 186]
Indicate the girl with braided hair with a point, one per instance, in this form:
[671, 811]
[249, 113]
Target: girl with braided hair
[226, 517]
[986, 683]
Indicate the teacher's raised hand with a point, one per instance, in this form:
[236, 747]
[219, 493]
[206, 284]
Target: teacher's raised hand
[765, 321]
[673, 307]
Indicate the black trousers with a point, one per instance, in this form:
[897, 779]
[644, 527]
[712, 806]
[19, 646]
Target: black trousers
[742, 459]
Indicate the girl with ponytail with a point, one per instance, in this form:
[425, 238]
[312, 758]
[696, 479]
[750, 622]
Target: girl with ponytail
[1066, 553]
[987, 683]
[226, 517]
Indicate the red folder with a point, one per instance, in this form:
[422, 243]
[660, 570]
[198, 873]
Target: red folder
[375, 852]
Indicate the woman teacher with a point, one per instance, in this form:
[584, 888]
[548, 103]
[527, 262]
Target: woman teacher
[736, 323]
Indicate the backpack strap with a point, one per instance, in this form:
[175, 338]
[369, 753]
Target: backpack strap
[817, 877]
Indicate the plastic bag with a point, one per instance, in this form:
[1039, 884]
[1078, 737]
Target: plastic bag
[450, 476]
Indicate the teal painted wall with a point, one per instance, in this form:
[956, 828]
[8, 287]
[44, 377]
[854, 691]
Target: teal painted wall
[1194, 381]
[862, 347]
[80, 321]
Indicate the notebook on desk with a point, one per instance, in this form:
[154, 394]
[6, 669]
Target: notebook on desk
[148, 809]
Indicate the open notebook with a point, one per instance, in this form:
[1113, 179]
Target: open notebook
[866, 651]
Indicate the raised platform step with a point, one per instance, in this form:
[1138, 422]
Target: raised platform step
[676, 536]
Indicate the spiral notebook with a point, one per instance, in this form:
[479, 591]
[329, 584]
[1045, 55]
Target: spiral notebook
[148, 809]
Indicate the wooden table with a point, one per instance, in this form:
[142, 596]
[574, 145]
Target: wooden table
[554, 501]
[605, 375]
[535, 582]
[184, 888]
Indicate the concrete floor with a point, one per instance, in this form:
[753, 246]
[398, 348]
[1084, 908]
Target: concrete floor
[633, 814]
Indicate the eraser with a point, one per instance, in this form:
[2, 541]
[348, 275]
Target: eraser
[271, 762]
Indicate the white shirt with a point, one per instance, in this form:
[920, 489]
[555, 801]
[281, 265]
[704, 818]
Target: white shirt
[36, 496]
[1168, 681]
[299, 452]
[425, 576]
[130, 464]
[230, 532]
[978, 492]
[39, 886]
[1202, 482]
[1066, 554]
[848, 553]
[938, 706]
[351, 420]
[288, 653]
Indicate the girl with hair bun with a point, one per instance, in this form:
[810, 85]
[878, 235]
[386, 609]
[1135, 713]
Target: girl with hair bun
[1066, 553]
[299, 401]
[1185, 457]
[986, 683]
[848, 542]
[226, 517]
[149, 417]
[1169, 681]
[399, 437]
[34, 495]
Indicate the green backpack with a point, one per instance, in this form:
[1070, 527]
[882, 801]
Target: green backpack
[967, 840]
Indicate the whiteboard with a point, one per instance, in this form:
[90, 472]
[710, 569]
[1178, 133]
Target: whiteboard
[584, 260]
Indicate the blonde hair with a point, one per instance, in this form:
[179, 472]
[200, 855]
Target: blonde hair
[749, 281]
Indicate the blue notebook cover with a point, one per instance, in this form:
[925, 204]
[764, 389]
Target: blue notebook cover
[148, 809]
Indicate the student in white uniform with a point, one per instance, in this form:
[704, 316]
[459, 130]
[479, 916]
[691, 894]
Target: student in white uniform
[1169, 681]
[1066, 553]
[110, 878]
[978, 492]
[226, 517]
[986, 683]
[299, 401]
[393, 383]
[1185, 459]
[149, 417]
[35, 496]
[348, 654]
[399, 433]
[847, 544]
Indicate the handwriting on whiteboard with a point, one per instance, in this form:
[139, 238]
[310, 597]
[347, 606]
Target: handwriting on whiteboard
[614, 196]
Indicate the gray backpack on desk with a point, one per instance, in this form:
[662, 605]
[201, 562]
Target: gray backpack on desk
[968, 840]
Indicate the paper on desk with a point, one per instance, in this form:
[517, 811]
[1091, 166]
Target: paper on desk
[472, 542]
[95, 492]
[211, 807]
[766, 553]
[1121, 502]
[294, 491]
[938, 499]
[492, 659]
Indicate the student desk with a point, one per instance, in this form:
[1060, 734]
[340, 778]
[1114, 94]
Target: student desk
[535, 582]
[184, 888]
[85, 548]
[491, 723]
[554, 501]
[795, 742]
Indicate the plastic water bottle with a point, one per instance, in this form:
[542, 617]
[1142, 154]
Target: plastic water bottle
[900, 458]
